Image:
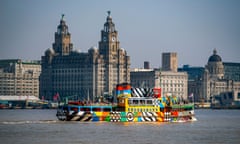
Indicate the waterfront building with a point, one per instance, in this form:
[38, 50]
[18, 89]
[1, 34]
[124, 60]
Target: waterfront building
[67, 73]
[232, 71]
[169, 61]
[195, 81]
[214, 80]
[192, 71]
[19, 77]
[171, 83]
[145, 78]
[175, 83]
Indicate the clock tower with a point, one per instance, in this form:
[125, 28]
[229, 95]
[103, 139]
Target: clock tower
[109, 43]
[117, 63]
[62, 45]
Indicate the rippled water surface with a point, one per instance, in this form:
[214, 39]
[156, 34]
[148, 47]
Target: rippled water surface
[42, 127]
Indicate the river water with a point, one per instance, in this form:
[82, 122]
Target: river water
[42, 127]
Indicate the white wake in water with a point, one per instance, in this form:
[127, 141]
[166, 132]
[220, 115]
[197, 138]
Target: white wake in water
[30, 122]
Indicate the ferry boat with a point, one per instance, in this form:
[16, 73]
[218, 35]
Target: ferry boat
[133, 105]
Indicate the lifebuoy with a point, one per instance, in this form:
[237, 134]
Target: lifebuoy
[130, 116]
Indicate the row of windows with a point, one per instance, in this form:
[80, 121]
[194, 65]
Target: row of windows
[174, 77]
[222, 89]
[84, 70]
[22, 84]
[173, 85]
[18, 88]
[95, 109]
[18, 78]
[71, 70]
[172, 81]
[173, 89]
[143, 109]
[18, 92]
[140, 102]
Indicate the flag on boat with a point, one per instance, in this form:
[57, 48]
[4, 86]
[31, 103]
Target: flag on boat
[56, 96]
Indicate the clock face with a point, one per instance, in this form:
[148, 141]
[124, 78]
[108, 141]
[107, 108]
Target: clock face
[113, 38]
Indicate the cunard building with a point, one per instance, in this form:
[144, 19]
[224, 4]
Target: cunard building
[87, 75]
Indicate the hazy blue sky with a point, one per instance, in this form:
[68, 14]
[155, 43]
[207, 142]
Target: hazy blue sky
[192, 28]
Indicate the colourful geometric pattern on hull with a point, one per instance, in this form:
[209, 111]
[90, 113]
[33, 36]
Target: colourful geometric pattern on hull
[133, 105]
[114, 116]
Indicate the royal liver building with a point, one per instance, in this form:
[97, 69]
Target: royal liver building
[87, 75]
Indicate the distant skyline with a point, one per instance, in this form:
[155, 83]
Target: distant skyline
[146, 28]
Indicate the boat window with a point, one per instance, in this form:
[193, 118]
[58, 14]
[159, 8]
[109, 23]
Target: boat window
[120, 109]
[130, 102]
[96, 109]
[142, 101]
[135, 101]
[106, 109]
[149, 102]
[74, 109]
[85, 109]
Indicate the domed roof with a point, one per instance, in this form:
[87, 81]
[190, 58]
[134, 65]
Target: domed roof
[214, 57]
[49, 52]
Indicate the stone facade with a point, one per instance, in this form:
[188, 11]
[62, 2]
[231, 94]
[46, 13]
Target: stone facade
[214, 80]
[86, 75]
[19, 78]
[171, 83]
[169, 62]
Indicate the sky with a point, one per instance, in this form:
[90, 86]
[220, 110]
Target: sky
[146, 28]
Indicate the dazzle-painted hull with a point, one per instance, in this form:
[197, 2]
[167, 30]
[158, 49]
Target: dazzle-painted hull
[71, 113]
[133, 105]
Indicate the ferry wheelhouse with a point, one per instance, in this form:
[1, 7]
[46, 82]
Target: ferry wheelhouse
[133, 105]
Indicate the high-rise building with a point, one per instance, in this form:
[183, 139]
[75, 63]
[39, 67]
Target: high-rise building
[169, 62]
[19, 77]
[67, 72]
